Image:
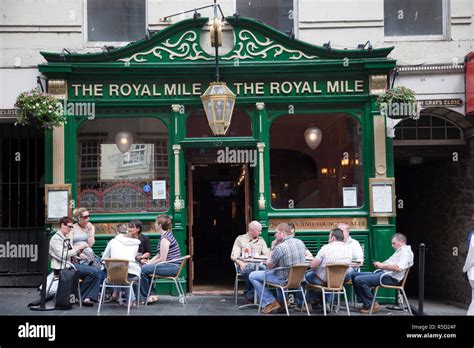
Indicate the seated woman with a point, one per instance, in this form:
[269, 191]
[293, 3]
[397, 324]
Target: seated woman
[125, 246]
[60, 253]
[167, 250]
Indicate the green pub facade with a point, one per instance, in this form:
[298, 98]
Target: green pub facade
[305, 141]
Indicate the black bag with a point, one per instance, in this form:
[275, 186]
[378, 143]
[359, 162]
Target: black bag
[67, 295]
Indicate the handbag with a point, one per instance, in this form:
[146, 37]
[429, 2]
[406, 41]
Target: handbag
[91, 259]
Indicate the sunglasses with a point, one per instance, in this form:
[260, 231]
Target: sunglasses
[85, 216]
[70, 226]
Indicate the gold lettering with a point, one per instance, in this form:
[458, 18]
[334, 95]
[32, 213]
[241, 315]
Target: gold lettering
[347, 89]
[184, 90]
[155, 91]
[315, 88]
[248, 88]
[113, 89]
[286, 87]
[359, 85]
[76, 89]
[125, 90]
[333, 86]
[136, 89]
[196, 89]
[146, 90]
[98, 90]
[87, 90]
[259, 88]
[237, 85]
[274, 88]
[170, 89]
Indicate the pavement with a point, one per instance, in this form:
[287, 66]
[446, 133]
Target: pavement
[14, 301]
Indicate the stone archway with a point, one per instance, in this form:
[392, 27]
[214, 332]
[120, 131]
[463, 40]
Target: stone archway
[435, 197]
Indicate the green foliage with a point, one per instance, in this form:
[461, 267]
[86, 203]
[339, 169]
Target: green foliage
[397, 94]
[40, 110]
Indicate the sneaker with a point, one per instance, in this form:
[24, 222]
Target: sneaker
[87, 302]
[272, 307]
[152, 299]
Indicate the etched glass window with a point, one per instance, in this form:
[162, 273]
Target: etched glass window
[113, 181]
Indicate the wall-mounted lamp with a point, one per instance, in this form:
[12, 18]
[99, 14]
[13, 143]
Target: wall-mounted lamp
[218, 100]
[362, 46]
[124, 140]
[313, 137]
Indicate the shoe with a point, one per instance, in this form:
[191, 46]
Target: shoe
[272, 307]
[297, 308]
[87, 303]
[152, 299]
[376, 309]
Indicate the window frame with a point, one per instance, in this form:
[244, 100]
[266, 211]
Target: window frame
[354, 113]
[100, 44]
[295, 17]
[446, 8]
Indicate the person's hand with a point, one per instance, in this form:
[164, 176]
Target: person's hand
[242, 266]
[83, 256]
[378, 264]
[143, 261]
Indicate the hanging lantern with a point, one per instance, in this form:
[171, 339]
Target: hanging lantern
[218, 102]
[123, 140]
[313, 137]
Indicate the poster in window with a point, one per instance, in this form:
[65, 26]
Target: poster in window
[382, 197]
[349, 196]
[57, 202]
[136, 164]
[159, 189]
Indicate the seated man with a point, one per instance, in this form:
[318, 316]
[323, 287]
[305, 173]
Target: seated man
[336, 251]
[398, 264]
[249, 240]
[61, 251]
[357, 252]
[291, 251]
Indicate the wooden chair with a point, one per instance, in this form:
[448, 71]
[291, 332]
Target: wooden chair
[177, 280]
[295, 277]
[335, 284]
[400, 287]
[117, 277]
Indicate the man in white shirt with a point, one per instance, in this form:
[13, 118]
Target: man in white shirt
[397, 265]
[357, 252]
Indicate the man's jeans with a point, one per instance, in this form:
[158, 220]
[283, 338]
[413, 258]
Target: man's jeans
[249, 289]
[256, 278]
[363, 282]
[166, 270]
[311, 278]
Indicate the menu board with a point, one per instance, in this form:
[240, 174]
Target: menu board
[57, 199]
[382, 197]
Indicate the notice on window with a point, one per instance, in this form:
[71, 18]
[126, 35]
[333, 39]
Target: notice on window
[159, 189]
[349, 196]
[382, 198]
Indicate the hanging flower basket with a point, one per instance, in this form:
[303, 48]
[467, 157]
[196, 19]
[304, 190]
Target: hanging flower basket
[39, 110]
[398, 102]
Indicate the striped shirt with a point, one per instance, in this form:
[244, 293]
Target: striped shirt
[173, 251]
[335, 252]
[288, 253]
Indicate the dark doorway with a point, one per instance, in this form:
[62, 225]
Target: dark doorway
[219, 201]
[22, 159]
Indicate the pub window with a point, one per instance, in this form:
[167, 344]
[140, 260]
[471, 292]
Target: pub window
[278, 14]
[198, 127]
[110, 181]
[415, 18]
[330, 176]
[116, 21]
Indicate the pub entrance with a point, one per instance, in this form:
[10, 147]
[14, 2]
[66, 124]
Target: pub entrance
[220, 198]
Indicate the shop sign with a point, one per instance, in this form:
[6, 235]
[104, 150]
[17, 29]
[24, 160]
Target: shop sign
[161, 89]
[449, 103]
[313, 224]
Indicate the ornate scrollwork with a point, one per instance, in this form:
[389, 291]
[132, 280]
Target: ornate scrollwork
[251, 47]
[186, 47]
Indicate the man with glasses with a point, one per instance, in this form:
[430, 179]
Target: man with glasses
[61, 251]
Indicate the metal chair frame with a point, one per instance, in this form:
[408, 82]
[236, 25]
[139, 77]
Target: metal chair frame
[400, 287]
